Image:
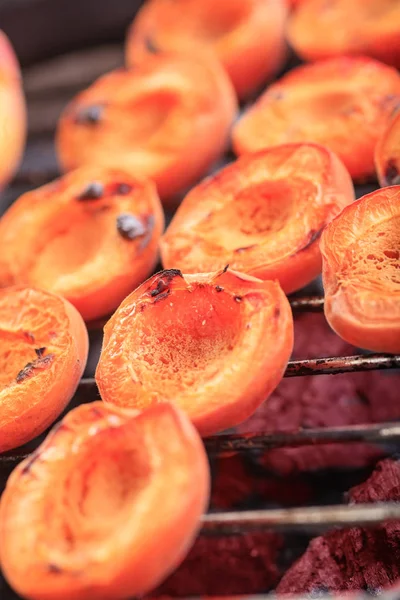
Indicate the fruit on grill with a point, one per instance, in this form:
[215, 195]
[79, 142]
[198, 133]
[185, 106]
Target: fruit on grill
[263, 215]
[106, 507]
[43, 352]
[336, 103]
[321, 29]
[90, 236]
[167, 118]
[361, 271]
[216, 344]
[12, 112]
[356, 558]
[387, 153]
[247, 36]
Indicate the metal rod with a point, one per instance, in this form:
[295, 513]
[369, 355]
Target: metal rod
[342, 364]
[228, 443]
[308, 518]
[311, 304]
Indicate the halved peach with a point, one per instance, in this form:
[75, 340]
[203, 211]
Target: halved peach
[43, 353]
[12, 112]
[90, 236]
[320, 29]
[247, 36]
[167, 119]
[106, 507]
[216, 344]
[387, 153]
[361, 271]
[336, 103]
[263, 215]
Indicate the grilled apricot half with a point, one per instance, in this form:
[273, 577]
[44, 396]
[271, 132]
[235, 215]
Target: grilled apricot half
[216, 344]
[43, 352]
[335, 103]
[321, 29]
[387, 154]
[263, 215]
[90, 236]
[106, 507]
[167, 119]
[361, 271]
[12, 112]
[247, 36]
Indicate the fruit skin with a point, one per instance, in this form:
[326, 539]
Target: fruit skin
[367, 27]
[168, 119]
[29, 405]
[247, 36]
[192, 245]
[387, 153]
[80, 253]
[216, 344]
[111, 539]
[334, 102]
[360, 273]
[12, 112]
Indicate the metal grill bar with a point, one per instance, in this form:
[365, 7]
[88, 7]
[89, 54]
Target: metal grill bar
[378, 434]
[309, 518]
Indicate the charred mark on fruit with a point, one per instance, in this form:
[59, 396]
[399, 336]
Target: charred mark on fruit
[238, 298]
[392, 174]
[129, 227]
[123, 189]
[37, 365]
[90, 115]
[93, 191]
[219, 288]
[40, 351]
[151, 46]
[312, 237]
[162, 289]
[277, 313]
[224, 270]
[29, 336]
[54, 569]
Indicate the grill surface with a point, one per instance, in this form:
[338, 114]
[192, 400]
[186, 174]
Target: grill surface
[47, 93]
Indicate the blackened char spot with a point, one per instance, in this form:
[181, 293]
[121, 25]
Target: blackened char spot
[392, 174]
[90, 115]
[162, 288]
[40, 351]
[129, 226]
[162, 296]
[277, 312]
[123, 189]
[312, 237]
[37, 365]
[226, 267]
[219, 288]
[238, 298]
[151, 46]
[93, 191]
[54, 568]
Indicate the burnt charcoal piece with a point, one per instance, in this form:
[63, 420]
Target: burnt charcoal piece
[356, 558]
[93, 191]
[90, 115]
[129, 226]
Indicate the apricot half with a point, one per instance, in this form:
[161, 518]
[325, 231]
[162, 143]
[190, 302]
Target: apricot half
[361, 271]
[387, 154]
[106, 507]
[320, 29]
[167, 119]
[216, 344]
[91, 236]
[263, 215]
[43, 352]
[12, 112]
[247, 36]
[336, 103]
